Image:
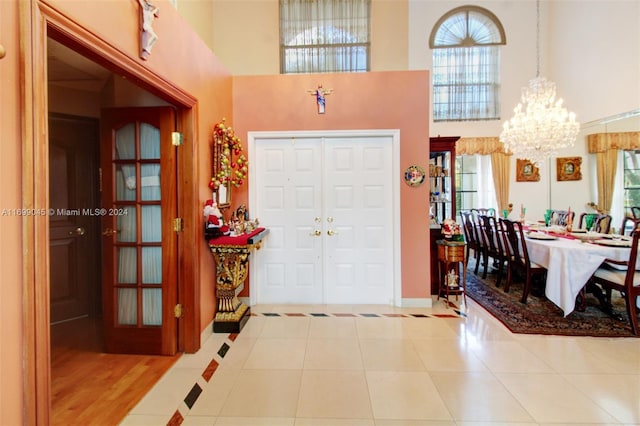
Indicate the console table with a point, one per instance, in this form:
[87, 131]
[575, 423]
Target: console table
[231, 255]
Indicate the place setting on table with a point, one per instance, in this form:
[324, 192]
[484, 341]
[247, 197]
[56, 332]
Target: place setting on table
[550, 231]
[571, 256]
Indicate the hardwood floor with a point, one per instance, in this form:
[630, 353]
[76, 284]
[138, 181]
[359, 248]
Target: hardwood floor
[89, 386]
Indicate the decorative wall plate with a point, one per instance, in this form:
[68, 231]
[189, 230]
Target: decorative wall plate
[414, 175]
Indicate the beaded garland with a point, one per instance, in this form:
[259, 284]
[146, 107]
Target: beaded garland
[230, 148]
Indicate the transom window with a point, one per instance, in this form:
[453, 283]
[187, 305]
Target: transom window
[324, 36]
[466, 65]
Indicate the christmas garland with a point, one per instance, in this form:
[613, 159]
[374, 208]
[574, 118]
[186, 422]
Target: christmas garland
[233, 162]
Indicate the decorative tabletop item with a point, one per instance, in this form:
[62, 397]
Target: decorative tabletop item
[414, 175]
[451, 230]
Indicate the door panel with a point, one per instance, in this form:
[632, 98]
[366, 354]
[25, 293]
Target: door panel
[327, 203]
[139, 243]
[289, 201]
[359, 233]
[73, 234]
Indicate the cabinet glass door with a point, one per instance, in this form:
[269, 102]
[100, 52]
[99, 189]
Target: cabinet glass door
[441, 193]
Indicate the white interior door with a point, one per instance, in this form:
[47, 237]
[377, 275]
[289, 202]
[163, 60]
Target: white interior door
[358, 220]
[289, 203]
[328, 203]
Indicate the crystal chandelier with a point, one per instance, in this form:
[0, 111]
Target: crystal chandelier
[540, 124]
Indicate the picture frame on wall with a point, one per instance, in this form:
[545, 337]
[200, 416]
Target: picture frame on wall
[568, 168]
[526, 171]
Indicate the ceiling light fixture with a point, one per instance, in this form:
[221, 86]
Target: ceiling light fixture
[540, 125]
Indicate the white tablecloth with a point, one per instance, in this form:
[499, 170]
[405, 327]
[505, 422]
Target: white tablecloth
[570, 264]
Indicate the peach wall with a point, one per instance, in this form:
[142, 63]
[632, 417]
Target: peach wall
[376, 100]
[179, 57]
[11, 373]
[254, 27]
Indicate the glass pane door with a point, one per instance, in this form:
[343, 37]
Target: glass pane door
[139, 225]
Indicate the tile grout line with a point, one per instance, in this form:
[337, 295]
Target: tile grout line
[196, 390]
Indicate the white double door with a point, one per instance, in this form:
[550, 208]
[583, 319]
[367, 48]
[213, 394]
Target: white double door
[328, 204]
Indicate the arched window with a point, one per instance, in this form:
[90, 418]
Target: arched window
[324, 36]
[466, 65]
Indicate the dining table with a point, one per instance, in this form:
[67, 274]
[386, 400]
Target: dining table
[571, 259]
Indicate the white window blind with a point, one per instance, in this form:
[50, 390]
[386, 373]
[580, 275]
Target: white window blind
[324, 35]
[466, 65]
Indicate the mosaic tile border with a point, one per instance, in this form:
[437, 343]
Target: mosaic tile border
[456, 314]
[193, 394]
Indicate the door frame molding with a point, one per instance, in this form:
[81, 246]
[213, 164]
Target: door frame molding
[394, 134]
[39, 19]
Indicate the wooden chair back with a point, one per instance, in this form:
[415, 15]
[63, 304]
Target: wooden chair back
[627, 282]
[630, 223]
[490, 211]
[596, 222]
[514, 239]
[519, 257]
[560, 217]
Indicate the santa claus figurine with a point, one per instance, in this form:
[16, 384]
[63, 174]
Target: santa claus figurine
[214, 222]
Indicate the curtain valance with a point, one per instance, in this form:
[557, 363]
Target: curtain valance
[601, 142]
[479, 145]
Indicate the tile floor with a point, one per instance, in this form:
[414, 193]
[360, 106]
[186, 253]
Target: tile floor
[386, 366]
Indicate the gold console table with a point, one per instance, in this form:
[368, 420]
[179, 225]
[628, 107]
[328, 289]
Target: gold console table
[231, 255]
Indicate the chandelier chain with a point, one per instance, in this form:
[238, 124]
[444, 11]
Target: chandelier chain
[540, 126]
[537, 38]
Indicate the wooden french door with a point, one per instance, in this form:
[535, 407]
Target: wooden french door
[138, 163]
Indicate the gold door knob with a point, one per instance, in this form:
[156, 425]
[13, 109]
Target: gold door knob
[108, 232]
[316, 233]
[78, 231]
[331, 232]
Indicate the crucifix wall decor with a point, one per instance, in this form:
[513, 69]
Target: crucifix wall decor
[148, 38]
[320, 93]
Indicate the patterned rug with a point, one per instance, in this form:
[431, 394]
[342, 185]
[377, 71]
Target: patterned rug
[541, 316]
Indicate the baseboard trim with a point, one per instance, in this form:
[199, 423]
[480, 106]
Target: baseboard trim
[206, 333]
[417, 303]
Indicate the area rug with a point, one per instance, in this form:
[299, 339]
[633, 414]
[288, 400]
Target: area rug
[541, 316]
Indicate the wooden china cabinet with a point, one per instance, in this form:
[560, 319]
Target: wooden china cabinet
[442, 194]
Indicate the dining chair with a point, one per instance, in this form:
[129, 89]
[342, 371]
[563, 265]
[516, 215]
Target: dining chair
[629, 224]
[494, 246]
[477, 229]
[599, 222]
[635, 212]
[626, 281]
[470, 234]
[490, 211]
[560, 217]
[518, 258]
